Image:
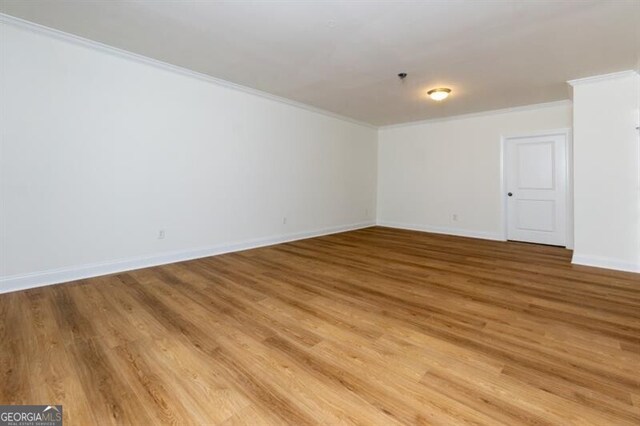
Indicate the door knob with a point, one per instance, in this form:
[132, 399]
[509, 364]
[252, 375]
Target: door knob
[509, 194]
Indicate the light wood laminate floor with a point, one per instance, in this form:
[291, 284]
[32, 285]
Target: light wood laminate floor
[375, 326]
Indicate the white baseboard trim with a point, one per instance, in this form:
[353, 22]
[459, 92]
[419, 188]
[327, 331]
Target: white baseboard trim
[603, 262]
[56, 276]
[442, 230]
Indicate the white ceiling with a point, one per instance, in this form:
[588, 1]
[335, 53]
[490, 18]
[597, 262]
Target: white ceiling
[343, 56]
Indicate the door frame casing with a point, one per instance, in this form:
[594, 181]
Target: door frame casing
[566, 132]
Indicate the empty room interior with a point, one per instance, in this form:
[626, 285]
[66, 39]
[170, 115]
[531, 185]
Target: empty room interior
[319, 212]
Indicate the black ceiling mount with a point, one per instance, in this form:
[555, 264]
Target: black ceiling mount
[402, 75]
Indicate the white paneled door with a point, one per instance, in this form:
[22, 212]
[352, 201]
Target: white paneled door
[536, 189]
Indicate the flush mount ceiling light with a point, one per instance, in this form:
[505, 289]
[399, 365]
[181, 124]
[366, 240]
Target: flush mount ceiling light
[439, 94]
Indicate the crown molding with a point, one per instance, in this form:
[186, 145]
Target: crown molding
[564, 102]
[602, 77]
[95, 45]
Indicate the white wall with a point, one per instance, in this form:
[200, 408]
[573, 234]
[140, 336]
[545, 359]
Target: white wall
[606, 171]
[99, 152]
[428, 172]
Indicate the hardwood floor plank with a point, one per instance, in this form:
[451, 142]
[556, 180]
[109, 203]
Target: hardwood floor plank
[375, 326]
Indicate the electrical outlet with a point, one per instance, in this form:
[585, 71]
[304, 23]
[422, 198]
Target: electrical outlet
[284, 220]
[161, 234]
[454, 217]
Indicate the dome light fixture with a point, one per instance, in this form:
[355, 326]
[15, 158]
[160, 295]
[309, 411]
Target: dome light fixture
[439, 94]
